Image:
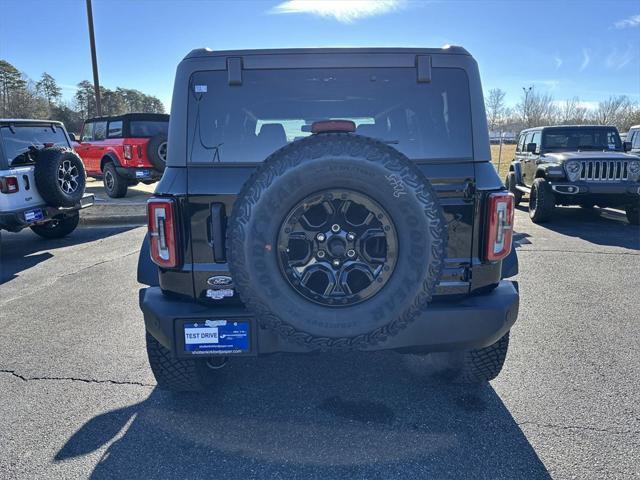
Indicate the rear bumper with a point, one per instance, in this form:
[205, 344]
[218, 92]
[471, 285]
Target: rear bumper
[16, 220]
[474, 322]
[140, 174]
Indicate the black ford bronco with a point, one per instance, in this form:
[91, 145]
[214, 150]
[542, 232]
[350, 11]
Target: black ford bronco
[328, 200]
[582, 165]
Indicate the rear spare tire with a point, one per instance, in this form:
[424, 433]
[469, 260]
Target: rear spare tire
[157, 152]
[60, 176]
[336, 242]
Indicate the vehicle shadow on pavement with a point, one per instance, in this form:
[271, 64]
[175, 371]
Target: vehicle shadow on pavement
[21, 251]
[598, 226]
[360, 415]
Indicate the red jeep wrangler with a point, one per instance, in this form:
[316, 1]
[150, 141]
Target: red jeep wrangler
[124, 150]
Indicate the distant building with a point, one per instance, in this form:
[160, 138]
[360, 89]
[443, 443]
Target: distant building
[507, 137]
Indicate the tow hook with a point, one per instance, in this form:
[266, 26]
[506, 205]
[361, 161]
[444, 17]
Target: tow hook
[216, 363]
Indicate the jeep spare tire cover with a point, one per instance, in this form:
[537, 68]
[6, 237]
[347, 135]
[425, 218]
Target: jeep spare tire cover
[157, 152]
[337, 242]
[60, 176]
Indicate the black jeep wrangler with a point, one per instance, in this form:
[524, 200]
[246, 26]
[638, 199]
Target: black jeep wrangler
[328, 200]
[575, 165]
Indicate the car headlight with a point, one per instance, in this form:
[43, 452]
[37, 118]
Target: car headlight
[634, 170]
[573, 170]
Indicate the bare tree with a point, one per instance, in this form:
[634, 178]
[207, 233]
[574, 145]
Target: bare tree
[612, 110]
[495, 108]
[571, 112]
[535, 108]
[629, 117]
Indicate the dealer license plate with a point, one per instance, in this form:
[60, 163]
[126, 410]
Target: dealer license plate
[216, 336]
[34, 215]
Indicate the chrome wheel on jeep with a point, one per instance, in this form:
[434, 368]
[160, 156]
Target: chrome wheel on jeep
[68, 176]
[337, 247]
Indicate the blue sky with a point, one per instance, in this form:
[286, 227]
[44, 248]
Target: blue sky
[589, 49]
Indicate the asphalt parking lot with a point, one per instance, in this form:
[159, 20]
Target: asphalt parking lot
[78, 400]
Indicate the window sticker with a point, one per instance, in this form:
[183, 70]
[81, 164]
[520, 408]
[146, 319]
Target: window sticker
[200, 88]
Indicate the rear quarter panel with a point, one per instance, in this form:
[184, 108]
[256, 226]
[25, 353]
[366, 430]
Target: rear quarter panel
[27, 196]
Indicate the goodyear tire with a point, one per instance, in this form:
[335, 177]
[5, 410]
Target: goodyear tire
[157, 152]
[542, 201]
[60, 176]
[329, 186]
[511, 183]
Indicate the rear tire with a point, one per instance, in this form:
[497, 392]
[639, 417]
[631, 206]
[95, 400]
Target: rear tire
[114, 184]
[472, 366]
[542, 201]
[633, 214]
[57, 228]
[511, 183]
[176, 375]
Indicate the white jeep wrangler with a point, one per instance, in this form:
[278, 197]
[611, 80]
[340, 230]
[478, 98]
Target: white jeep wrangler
[42, 179]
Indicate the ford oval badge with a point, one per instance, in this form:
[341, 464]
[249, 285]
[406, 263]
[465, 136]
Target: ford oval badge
[219, 281]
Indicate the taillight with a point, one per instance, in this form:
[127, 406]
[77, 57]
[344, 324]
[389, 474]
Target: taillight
[128, 151]
[162, 232]
[9, 185]
[139, 151]
[499, 226]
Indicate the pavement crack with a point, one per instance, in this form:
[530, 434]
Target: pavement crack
[74, 379]
[579, 427]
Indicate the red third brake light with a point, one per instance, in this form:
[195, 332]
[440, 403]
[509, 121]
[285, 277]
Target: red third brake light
[333, 126]
[499, 226]
[162, 232]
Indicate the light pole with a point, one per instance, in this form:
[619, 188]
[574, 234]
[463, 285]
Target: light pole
[94, 59]
[526, 103]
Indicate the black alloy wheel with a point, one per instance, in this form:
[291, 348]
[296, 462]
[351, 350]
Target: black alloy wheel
[337, 247]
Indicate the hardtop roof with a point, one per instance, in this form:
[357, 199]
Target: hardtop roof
[551, 127]
[28, 121]
[207, 52]
[131, 116]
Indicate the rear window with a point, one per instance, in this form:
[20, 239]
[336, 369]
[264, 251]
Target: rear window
[246, 123]
[570, 139]
[20, 140]
[147, 129]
